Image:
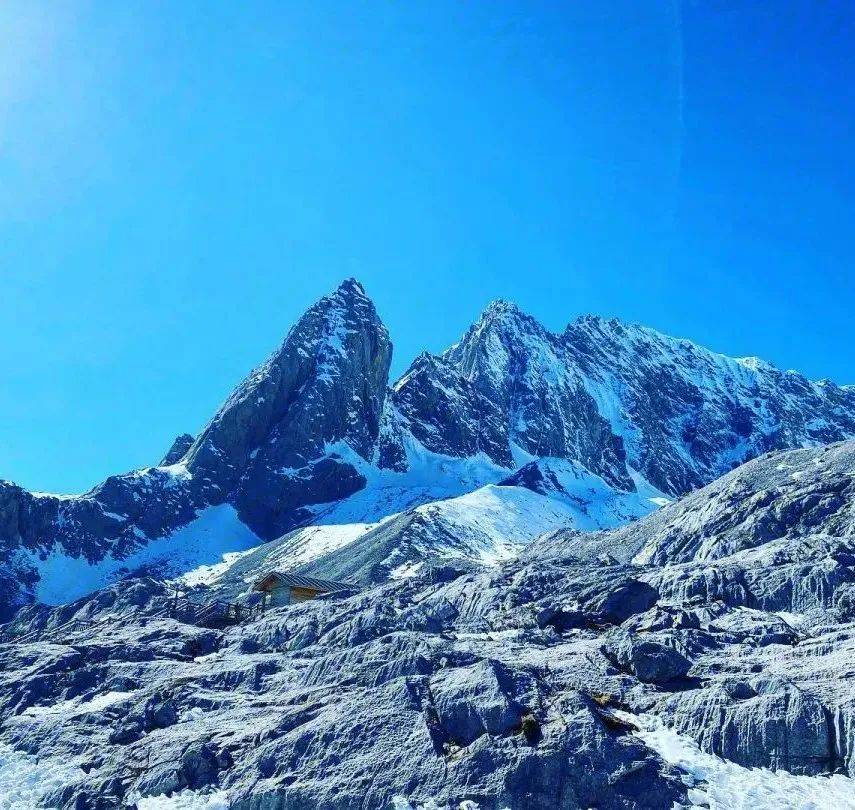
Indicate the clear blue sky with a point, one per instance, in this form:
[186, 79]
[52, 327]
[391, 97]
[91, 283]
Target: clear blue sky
[179, 181]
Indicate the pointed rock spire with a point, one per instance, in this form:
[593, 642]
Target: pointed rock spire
[325, 386]
[177, 450]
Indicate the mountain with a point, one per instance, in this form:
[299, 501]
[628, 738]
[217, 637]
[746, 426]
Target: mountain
[623, 399]
[267, 455]
[481, 528]
[687, 415]
[699, 656]
[316, 436]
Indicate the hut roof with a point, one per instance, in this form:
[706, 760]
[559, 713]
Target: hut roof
[294, 580]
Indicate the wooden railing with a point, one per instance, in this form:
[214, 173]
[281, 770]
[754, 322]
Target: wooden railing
[213, 613]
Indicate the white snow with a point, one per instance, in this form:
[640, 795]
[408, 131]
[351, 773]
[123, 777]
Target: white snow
[74, 707]
[406, 570]
[719, 784]
[315, 541]
[498, 521]
[487, 523]
[429, 477]
[462, 491]
[400, 803]
[297, 548]
[186, 800]
[209, 574]
[25, 779]
[215, 531]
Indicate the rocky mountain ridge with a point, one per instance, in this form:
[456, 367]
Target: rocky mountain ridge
[316, 434]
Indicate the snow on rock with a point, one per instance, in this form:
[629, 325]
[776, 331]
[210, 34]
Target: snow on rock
[315, 436]
[71, 708]
[186, 800]
[481, 528]
[25, 779]
[498, 685]
[400, 803]
[718, 784]
[595, 504]
[215, 531]
[687, 415]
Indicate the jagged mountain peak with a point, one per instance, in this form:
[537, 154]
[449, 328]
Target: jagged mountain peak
[351, 286]
[350, 296]
[612, 328]
[325, 384]
[177, 450]
[688, 414]
[422, 360]
[605, 335]
[508, 319]
[500, 307]
[644, 414]
[520, 367]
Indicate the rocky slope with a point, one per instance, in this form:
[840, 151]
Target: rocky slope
[316, 436]
[728, 616]
[481, 528]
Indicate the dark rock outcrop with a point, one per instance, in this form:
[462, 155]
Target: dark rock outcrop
[651, 660]
[269, 446]
[177, 450]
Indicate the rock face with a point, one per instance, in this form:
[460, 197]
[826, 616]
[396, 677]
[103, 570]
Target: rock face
[608, 417]
[447, 413]
[399, 692]
[268, 445]
[688, 415]
[517, 364]
[796, 496]
[650, 660]
[755, 574]
[178, 450]
[273, 450]
[500, 686]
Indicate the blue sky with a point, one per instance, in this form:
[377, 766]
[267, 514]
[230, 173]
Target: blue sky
[179, 181]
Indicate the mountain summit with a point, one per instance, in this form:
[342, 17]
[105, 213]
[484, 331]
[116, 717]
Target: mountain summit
[316, 434]
[267, 446]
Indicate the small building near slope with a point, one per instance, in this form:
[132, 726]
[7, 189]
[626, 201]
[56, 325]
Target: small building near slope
[287, 588]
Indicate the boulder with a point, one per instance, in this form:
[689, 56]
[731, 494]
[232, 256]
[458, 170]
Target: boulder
[651, 660]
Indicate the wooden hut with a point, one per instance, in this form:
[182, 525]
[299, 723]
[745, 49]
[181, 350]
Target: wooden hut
[286, 588]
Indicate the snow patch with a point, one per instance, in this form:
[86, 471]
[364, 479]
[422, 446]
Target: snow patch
[406, 570]
[400, 803]
[186, 800]
[72, 708]
[25, 779]
[718, 784]
[215, 531]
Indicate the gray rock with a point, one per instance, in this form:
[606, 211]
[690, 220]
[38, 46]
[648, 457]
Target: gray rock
[470, 701]
[650, 659]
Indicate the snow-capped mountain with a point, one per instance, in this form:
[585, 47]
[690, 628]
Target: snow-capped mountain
[687, 415]
[480, 528]
[317, 436]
